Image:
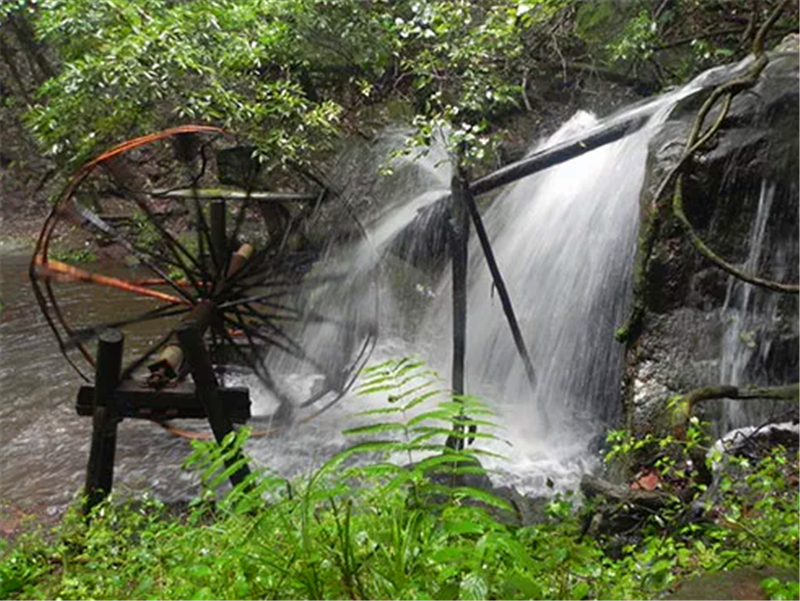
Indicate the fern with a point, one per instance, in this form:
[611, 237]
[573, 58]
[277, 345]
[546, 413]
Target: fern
[419, 434]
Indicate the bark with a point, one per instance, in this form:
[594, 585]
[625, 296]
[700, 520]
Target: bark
[31, 47]
[7, 55]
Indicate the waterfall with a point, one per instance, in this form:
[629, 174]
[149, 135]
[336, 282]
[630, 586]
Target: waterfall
[749, 315]
[565, 240]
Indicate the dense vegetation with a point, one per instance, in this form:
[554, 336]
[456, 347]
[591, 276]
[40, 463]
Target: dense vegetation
[393, 517]
[405, 522]
[295, 75]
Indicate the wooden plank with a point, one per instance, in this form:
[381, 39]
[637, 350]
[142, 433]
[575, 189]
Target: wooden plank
[136, 400]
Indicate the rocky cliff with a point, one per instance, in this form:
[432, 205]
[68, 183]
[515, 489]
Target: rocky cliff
[703, 327]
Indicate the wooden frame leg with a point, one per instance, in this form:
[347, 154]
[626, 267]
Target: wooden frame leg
[191, 341]
[100, 470]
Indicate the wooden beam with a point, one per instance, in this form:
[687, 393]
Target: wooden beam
[207, 389]
[139, 401]
[560, 153]
[502, 291]
[459, 244]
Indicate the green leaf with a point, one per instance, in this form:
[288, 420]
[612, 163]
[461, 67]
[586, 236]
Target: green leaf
[474, 587]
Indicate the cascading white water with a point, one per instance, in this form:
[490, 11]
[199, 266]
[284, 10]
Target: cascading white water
[749, 314]
[565, 241]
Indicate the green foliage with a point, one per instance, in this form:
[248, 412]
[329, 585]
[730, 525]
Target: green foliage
[779, 589]
[389, 517]
[73, 255]
[754, 507]
[667, 43]
[280, 73]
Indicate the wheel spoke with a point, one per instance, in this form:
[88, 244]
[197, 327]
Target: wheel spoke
[290, 346]
[56, 270]
[97, 222]
[258, 366]
[84, 334]
[176, 249]
[44, 306]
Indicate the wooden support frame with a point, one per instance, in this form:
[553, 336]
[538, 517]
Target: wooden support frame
[556, 155]
[139, 401]
[100, 469]
[191, 341]
[462, 209]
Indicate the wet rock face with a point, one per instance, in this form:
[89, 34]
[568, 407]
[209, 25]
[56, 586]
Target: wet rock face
[741, 194]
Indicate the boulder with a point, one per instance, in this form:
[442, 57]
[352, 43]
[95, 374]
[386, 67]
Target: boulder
[741, 194]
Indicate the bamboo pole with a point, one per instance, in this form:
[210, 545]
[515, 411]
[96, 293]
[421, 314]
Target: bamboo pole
[220, 194]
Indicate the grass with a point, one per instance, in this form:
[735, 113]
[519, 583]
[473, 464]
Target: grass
[384, 527]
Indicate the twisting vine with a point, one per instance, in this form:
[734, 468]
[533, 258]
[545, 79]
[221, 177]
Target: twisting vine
[674, 180]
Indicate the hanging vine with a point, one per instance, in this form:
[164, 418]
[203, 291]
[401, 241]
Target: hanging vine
[673, 181]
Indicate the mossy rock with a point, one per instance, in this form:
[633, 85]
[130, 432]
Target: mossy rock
[739, 583]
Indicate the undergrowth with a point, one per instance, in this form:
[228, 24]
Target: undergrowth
[390, 517]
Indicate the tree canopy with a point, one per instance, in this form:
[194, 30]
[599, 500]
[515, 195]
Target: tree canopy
[293, 75]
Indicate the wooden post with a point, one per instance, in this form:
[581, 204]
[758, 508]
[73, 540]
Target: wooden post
[500, 285]
[100, 470]
[219, 240]
[459, 239]
[191, 340]
[459, 244]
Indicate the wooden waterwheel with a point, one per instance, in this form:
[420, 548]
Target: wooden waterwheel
[176, 226]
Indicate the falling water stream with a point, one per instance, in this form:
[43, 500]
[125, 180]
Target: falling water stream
[565, 241]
